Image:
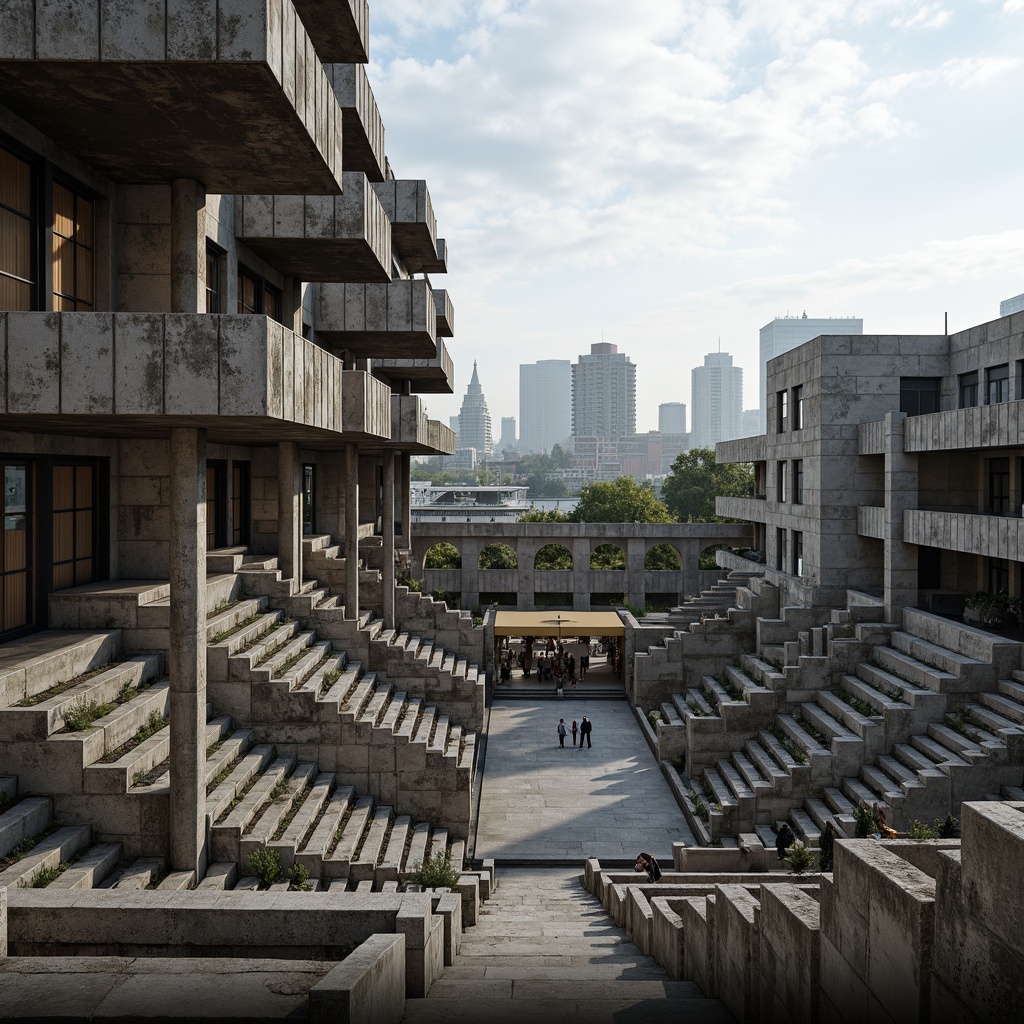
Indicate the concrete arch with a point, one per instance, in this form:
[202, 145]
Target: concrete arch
[657, 557]
[553, 556]
[607, 556]
[437, 551]
[498, 555]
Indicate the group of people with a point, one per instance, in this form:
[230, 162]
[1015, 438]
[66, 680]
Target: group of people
[555, 663]
[584, 729]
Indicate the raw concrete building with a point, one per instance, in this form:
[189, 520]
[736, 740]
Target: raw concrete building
[475, 419]
[1012, 305]
[545, 405]
[672, 418]
[786, 332]
[603, 394]
[717, 399]
[907, 486]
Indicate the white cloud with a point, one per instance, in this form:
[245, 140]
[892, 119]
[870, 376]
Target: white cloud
[926, 16]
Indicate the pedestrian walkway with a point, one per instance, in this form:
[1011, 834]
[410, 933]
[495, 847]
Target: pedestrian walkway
[544, 950]
[543, 803]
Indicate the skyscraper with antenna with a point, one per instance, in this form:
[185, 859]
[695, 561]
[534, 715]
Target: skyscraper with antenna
[475, 419]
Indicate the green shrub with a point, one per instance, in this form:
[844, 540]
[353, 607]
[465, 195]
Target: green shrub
[44, 876]
[83, 713]
[436, 873]
[265, 865]
[298, 879]
[654, 717]
[866, 823]
[919, 830]
[949, 827]
[799, 858]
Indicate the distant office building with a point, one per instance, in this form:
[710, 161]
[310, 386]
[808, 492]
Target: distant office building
[453, 422]
[785, 333]
[751, 422]
[545, 404]
[508, 434]
[717, 399]
[672, 418]
[603, 394]
[1014, 305]
[475, 420]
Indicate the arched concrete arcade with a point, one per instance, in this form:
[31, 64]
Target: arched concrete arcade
[581, 540]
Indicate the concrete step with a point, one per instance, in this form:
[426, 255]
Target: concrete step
[27, 818]
[48, 853]
[38, 662]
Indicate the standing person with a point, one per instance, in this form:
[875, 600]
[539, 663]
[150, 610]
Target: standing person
[646, 863]
[585, 730]
[561, 732]
[784, 839]
[574, 732]
[584, 665]
[572, 669]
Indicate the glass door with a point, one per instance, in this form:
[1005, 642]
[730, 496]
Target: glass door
[74, 525]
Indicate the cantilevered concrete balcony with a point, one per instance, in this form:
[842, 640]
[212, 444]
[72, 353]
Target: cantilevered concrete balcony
[992, 536]
[394, 321]
[742, 449]
[751, 510]
[440, 438]
[320, 238]
[984, 426]
[871, 521]
[434, 376]
[445, 314]
[340, 29]
[228, 93]
[244, 378]
[413, 225]
[362, 128]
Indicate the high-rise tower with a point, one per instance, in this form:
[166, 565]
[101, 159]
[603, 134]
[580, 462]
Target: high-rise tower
[603, 394]
[545, 404]
[475, 420]
[717, 398]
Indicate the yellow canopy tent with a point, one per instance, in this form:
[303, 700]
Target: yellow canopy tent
[547, 623]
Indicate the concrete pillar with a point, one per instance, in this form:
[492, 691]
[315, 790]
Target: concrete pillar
[351, 531]
[188, 246]
[187, 655]
[526, 555]
[405, 497]
[581, 574]
[470, 587]
[636, 594]
[388, 529]
[289, 510]
[900, 572]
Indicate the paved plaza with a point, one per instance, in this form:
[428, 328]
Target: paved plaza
[540, 802]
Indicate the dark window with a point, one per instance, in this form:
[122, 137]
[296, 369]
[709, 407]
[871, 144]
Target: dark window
[780, 481]
[73, 256]
[780, 549]
[798, 553]
[74, 525]
[272, 304]
[240, 504]
[17, 233]
[798, 407]
[919, 395]
[16, 569]
[997, 384]
[216, 504]
[250, 291]
[214, 279]
[998, 575]
[929, 568]
[781, 411]
[798, 481]
[969, 390]
[308, 498]
[999, 487]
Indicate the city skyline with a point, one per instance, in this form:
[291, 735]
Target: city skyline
[747, 162]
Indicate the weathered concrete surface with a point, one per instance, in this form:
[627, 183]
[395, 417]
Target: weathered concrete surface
[546, 803]
[544, 950]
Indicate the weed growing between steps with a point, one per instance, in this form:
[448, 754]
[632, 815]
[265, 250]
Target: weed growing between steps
[44, 876]
[292, 811]
[219, 638]
[799, 858]
[789, 746]
[960, 721]
[154, 723]
[436, 873]
[860, 706]
[265, 865]
[25, 847]
[83, 713]
[70, 684]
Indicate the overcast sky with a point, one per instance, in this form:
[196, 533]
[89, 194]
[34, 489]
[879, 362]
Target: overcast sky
[665, 173]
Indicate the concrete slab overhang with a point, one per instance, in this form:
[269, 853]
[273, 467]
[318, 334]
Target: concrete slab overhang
[339, 29]
[445, 314]
[344, 238]
[229, 94]
[244, 378]
[425, 376]
[361, 124]
[412, 432]
[398, 320]
[413, 225]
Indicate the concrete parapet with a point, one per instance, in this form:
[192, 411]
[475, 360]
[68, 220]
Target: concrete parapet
[789, 958]
[367, 987]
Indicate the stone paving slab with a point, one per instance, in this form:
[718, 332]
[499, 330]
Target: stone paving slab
[541, 802]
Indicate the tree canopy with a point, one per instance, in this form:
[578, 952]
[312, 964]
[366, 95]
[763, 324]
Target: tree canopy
[622, 501]
[443, 556]
[545, 515]
[696, 479]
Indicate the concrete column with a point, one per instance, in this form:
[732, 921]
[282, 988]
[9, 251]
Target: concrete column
[188, 246]
[289, 510]
[405, 497]
[581, 574]
[388, 529]
[351, 531]
[470, 588]
[187, 655]
[526, 556]
[900, 572]
[636, 594]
